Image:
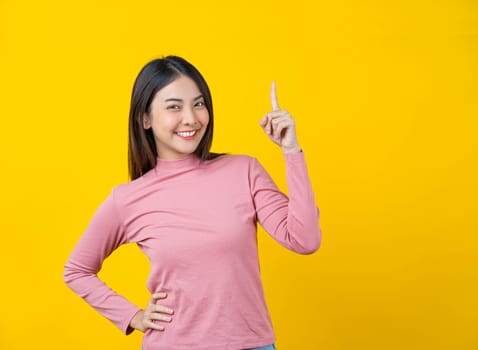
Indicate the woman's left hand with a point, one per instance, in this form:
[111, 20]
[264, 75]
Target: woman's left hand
[279, 126]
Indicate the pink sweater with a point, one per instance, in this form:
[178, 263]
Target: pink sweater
[196, 222]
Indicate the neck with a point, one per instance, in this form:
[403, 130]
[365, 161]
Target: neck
[189, 161]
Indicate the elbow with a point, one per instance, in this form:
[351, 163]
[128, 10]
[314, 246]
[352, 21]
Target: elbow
[74, 279]
[312, 245]
[312, 236]
[67, 275]
[310, 249]
[313, 248]
[71, 273]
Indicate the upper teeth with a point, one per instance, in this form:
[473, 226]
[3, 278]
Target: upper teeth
[186, 133]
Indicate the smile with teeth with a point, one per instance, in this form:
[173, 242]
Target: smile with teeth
[186, 133]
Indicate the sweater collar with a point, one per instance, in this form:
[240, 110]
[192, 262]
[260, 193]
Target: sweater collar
[189, 162]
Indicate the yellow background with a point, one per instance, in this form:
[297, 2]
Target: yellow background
[385, 98]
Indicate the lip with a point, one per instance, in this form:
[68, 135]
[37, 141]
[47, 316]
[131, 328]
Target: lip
[195, 131]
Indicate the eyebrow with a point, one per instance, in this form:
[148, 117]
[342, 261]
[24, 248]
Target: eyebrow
[180, 100]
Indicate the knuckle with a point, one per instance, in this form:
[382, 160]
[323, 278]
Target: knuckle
[156, 326]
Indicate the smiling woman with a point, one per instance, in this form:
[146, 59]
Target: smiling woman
[178, 118]
[194, 214]
[163, 99]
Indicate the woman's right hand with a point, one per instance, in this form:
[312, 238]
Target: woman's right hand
[145, 319]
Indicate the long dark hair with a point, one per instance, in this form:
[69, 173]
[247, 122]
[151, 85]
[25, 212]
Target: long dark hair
[154, 76]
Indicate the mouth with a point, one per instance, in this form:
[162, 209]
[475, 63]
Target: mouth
[187, 134]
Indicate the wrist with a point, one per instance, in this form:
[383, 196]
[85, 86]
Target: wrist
[135, 322]
[291, 150]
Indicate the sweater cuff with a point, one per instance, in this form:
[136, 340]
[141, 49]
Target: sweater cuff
[126, 328]
[294, 157]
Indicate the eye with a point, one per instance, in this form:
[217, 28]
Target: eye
[174, 107]
[200, 104]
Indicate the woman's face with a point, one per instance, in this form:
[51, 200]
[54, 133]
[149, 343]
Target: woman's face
[178, 118]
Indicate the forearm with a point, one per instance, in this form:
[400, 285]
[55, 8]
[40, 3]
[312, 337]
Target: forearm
[293, 222]
[303, 214]
[98, 295]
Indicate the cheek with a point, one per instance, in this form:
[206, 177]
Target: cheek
[204, 117]
[165, 122]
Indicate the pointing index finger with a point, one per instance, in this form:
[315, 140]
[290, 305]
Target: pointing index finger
[274, 102]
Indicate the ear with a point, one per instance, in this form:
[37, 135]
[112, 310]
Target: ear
[146, 121]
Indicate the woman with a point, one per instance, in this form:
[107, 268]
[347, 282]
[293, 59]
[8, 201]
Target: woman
[194, 214]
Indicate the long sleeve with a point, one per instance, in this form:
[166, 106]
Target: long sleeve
[293, 221]
[104, 234]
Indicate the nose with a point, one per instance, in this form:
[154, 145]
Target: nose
[189, 116]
